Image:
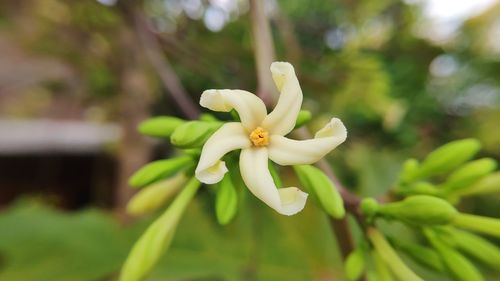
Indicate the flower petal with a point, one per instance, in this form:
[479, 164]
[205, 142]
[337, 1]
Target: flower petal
[229, 137]
[285, 151]
[250, 108]
[258, 179]
[282, 119]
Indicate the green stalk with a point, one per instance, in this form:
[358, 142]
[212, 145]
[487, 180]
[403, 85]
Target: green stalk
[157, 238]
[390, 257]
[480, 224]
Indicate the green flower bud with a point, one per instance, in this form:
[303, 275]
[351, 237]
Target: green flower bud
[303, 117]
[488, 184]
[423, 255]
[448, 157]
[459, 266]
[193, 133]
[208, 117]
[476, 246]
[389, 256]
[369, 207]
[157, 238]
[408, 173]
[469, 173]
[417, 188]
[158, 170]
[420, 210]
[154, 196]
[161, 126]
[323, 189]
[355, 264]
[489, 226]
[226, 200]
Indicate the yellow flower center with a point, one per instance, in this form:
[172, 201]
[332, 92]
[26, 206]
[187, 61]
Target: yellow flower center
[259, 137]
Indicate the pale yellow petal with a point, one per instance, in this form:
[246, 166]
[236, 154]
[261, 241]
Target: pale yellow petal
[250, 108]
[230, 136]
[285, 151]
[255, 173]
[282, 119]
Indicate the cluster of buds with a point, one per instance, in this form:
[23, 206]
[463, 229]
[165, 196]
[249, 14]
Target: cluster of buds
[443, 236]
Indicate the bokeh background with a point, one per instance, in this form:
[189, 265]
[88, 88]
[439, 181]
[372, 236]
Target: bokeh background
[76, 77]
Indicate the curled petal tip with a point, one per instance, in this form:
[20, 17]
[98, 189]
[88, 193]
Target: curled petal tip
[212, 175]
[281, 67]
[293, 200]
[334, 128]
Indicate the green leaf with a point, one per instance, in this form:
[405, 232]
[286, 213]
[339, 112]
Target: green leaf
[161, 126]
[193, 134]
[323, 188]
[155, 241]
[158, 170]
[226, 200]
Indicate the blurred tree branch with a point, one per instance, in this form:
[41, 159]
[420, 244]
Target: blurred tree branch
[159, 61]
[264, 51]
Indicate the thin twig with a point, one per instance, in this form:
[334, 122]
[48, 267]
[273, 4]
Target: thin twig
[163, 68]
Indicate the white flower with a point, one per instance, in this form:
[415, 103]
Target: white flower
[260, 136]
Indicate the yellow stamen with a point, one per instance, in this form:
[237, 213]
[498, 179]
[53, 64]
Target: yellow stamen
[259, 137]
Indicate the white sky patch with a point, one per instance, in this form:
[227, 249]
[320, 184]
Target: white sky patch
[442, 18]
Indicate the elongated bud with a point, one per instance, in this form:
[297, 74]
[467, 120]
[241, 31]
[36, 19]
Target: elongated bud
[157, 238]
[158, 170]
[303, 117]
[469, 173]
[419, 209]
[161, 126]
[355, 264]
[207, 117]
[489, 226]
[423, 255]
[448, 157]
[459, 266]
[409, 171]
[323, 189]
[476, 246]
[226, 200]
[418, 188]
[193, 133]
[486, 185]
[389, 256]
[154, 196]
